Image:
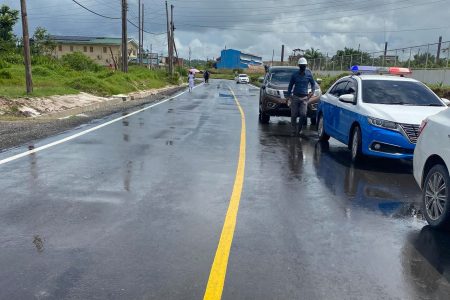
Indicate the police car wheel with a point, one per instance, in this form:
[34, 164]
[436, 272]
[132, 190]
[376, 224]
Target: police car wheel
[323, 136]
[355, 144]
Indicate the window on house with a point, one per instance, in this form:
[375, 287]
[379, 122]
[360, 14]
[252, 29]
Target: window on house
[91, 49]
[104, 50]
[85, 49]
[60, 47]
[71, 48]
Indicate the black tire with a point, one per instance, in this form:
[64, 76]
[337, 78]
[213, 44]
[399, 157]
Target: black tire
[436, 201]
[323, 136]
[264, 118]
[355, 144]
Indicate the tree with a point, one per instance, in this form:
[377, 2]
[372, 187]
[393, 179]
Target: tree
[313, 54]
[42, 44]
[349, 57]
[8, 18]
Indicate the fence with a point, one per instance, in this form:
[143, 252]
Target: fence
[428, 56]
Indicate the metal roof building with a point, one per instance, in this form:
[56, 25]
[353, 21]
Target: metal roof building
[235, 59]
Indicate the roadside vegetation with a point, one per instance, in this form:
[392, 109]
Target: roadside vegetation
[71, 74]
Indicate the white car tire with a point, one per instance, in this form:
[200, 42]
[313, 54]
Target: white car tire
[436, 197]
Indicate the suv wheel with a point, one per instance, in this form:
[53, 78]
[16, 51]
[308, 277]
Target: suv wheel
[436, 197]
[355, 144]
[263, 118]
[323, 136]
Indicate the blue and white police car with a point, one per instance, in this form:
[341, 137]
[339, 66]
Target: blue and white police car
[376, 114]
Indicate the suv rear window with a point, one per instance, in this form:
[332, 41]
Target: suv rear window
[282, 76]
[396, 92]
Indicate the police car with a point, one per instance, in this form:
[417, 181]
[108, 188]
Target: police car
[376, 114]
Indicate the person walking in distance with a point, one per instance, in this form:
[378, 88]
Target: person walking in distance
[206, 76]
[191, 79]
[299, 96]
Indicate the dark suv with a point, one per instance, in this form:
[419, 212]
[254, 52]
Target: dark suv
[272, 99]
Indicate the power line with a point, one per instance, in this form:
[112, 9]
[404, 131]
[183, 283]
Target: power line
[95, 13]
[320, 19]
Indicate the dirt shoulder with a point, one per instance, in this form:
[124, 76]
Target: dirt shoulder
[63, 115]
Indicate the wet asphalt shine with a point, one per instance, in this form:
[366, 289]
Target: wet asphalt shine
[135, 210]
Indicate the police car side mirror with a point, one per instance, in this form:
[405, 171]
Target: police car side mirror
[446, 101]
[347, 98]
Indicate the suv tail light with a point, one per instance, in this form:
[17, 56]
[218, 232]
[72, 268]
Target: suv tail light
[422, 126]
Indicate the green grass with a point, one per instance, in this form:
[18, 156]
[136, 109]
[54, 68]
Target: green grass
[60, 80]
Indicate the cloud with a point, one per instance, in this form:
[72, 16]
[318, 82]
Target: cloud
[259, 27]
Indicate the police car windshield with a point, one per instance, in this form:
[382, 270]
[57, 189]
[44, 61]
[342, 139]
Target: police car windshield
[396, 92]
[281, 76]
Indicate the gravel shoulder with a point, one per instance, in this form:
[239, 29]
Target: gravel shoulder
[18, 132]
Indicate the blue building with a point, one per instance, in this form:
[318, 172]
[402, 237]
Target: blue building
[234, 59]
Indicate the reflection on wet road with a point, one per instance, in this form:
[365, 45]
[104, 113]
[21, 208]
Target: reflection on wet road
[135, 210]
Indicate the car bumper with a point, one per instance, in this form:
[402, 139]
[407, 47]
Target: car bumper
[243, 81]
[386, 143]
[277, 107]
[419, 163]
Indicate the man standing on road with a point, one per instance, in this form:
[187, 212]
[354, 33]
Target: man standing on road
[298, 85]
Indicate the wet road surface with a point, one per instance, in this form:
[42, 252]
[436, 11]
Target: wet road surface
[135, 210]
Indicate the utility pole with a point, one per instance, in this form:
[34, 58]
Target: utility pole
[172, 29]
[273, 54]
[151, 56]
[282, 54]
[438, 55]
[140, 31]
[142, 36]
[26, 47]
[124, 37]
[385, 53]
[169, 38]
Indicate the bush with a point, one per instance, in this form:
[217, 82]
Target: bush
[12, 58]
[41, 71]
[5, 74]
[183, 72]
[79, 62]
[90, 84]
[4, 64]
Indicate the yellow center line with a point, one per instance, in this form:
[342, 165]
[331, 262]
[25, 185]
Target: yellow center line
[218, 272]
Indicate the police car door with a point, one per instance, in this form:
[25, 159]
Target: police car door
[332, 117]
[347, 111]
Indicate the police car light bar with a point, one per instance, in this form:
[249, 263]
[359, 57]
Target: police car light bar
[380, 70]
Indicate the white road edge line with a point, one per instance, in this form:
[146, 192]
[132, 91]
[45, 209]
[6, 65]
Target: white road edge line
[69, 138]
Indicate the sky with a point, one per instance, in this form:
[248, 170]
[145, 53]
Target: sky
[255, 26]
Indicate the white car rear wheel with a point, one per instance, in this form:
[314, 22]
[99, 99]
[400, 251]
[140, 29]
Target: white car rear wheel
[436, 202]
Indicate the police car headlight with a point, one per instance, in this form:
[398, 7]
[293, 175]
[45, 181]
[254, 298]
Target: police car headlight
[272, 92]
[383, 123]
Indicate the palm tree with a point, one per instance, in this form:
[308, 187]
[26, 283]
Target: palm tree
[313, 53]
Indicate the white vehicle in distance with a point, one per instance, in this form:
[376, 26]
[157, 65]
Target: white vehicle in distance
[242, 78]
[431, 168]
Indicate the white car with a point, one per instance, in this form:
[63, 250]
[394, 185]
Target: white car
[431, 168]
[242, 78]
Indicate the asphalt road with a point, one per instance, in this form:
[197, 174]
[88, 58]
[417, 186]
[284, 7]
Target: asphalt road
[135, 210]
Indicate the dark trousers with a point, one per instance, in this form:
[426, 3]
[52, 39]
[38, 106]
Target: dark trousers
[299, 108]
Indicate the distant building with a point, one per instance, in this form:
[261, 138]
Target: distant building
[97, 48]
[235, 59]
